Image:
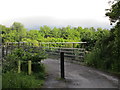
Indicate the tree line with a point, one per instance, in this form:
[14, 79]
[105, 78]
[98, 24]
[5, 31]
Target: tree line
[18, 33]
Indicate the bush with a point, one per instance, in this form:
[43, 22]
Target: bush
[104, 56]
[11, 79]
[11, 60]
[10, 63]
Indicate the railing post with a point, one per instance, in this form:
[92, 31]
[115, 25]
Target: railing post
[62, 65]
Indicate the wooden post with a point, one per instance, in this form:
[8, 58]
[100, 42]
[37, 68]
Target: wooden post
[19, 66]
[62, 65]
[29, 67]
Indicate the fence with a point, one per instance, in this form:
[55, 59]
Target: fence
[73, 53]
[73, 50]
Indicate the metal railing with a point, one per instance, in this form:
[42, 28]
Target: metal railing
[69, 52]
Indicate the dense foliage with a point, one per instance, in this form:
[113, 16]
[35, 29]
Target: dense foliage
[10, 76]
[17, 33]
[106, 53]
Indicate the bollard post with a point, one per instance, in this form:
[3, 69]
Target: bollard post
[62, 65]
[19, 66]
[29, 67]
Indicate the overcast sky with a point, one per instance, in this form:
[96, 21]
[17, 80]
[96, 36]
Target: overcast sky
[35, 13]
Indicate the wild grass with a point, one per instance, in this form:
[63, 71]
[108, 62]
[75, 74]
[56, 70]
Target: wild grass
[23, 80]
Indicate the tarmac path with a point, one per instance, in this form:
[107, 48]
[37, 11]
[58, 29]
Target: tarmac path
[77, 76]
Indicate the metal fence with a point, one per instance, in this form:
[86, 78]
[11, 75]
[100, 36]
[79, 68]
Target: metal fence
[69, 48]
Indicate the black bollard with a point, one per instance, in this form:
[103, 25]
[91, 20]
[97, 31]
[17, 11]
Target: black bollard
[62, 65]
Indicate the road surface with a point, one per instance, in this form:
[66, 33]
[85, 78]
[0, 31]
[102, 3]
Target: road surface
[77, 76]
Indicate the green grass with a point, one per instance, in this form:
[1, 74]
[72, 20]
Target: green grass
[12, 79]
[22, 80]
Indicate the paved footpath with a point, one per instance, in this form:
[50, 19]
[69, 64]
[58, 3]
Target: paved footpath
[77, 76]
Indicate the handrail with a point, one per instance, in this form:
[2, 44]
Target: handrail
[48, 42]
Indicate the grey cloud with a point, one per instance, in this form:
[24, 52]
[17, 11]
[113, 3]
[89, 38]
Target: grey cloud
[117, 0]
[36, 22]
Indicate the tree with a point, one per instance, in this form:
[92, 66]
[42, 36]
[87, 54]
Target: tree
[114, 12]
[106, 53]
[55, 32]
[5, 33]
[17, 26]
[114, 16]
[20, 31]
[45, 31]
[34, 35]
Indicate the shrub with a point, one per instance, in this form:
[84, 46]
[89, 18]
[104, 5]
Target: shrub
[11, 60]
[11, 79]
[104, 56]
